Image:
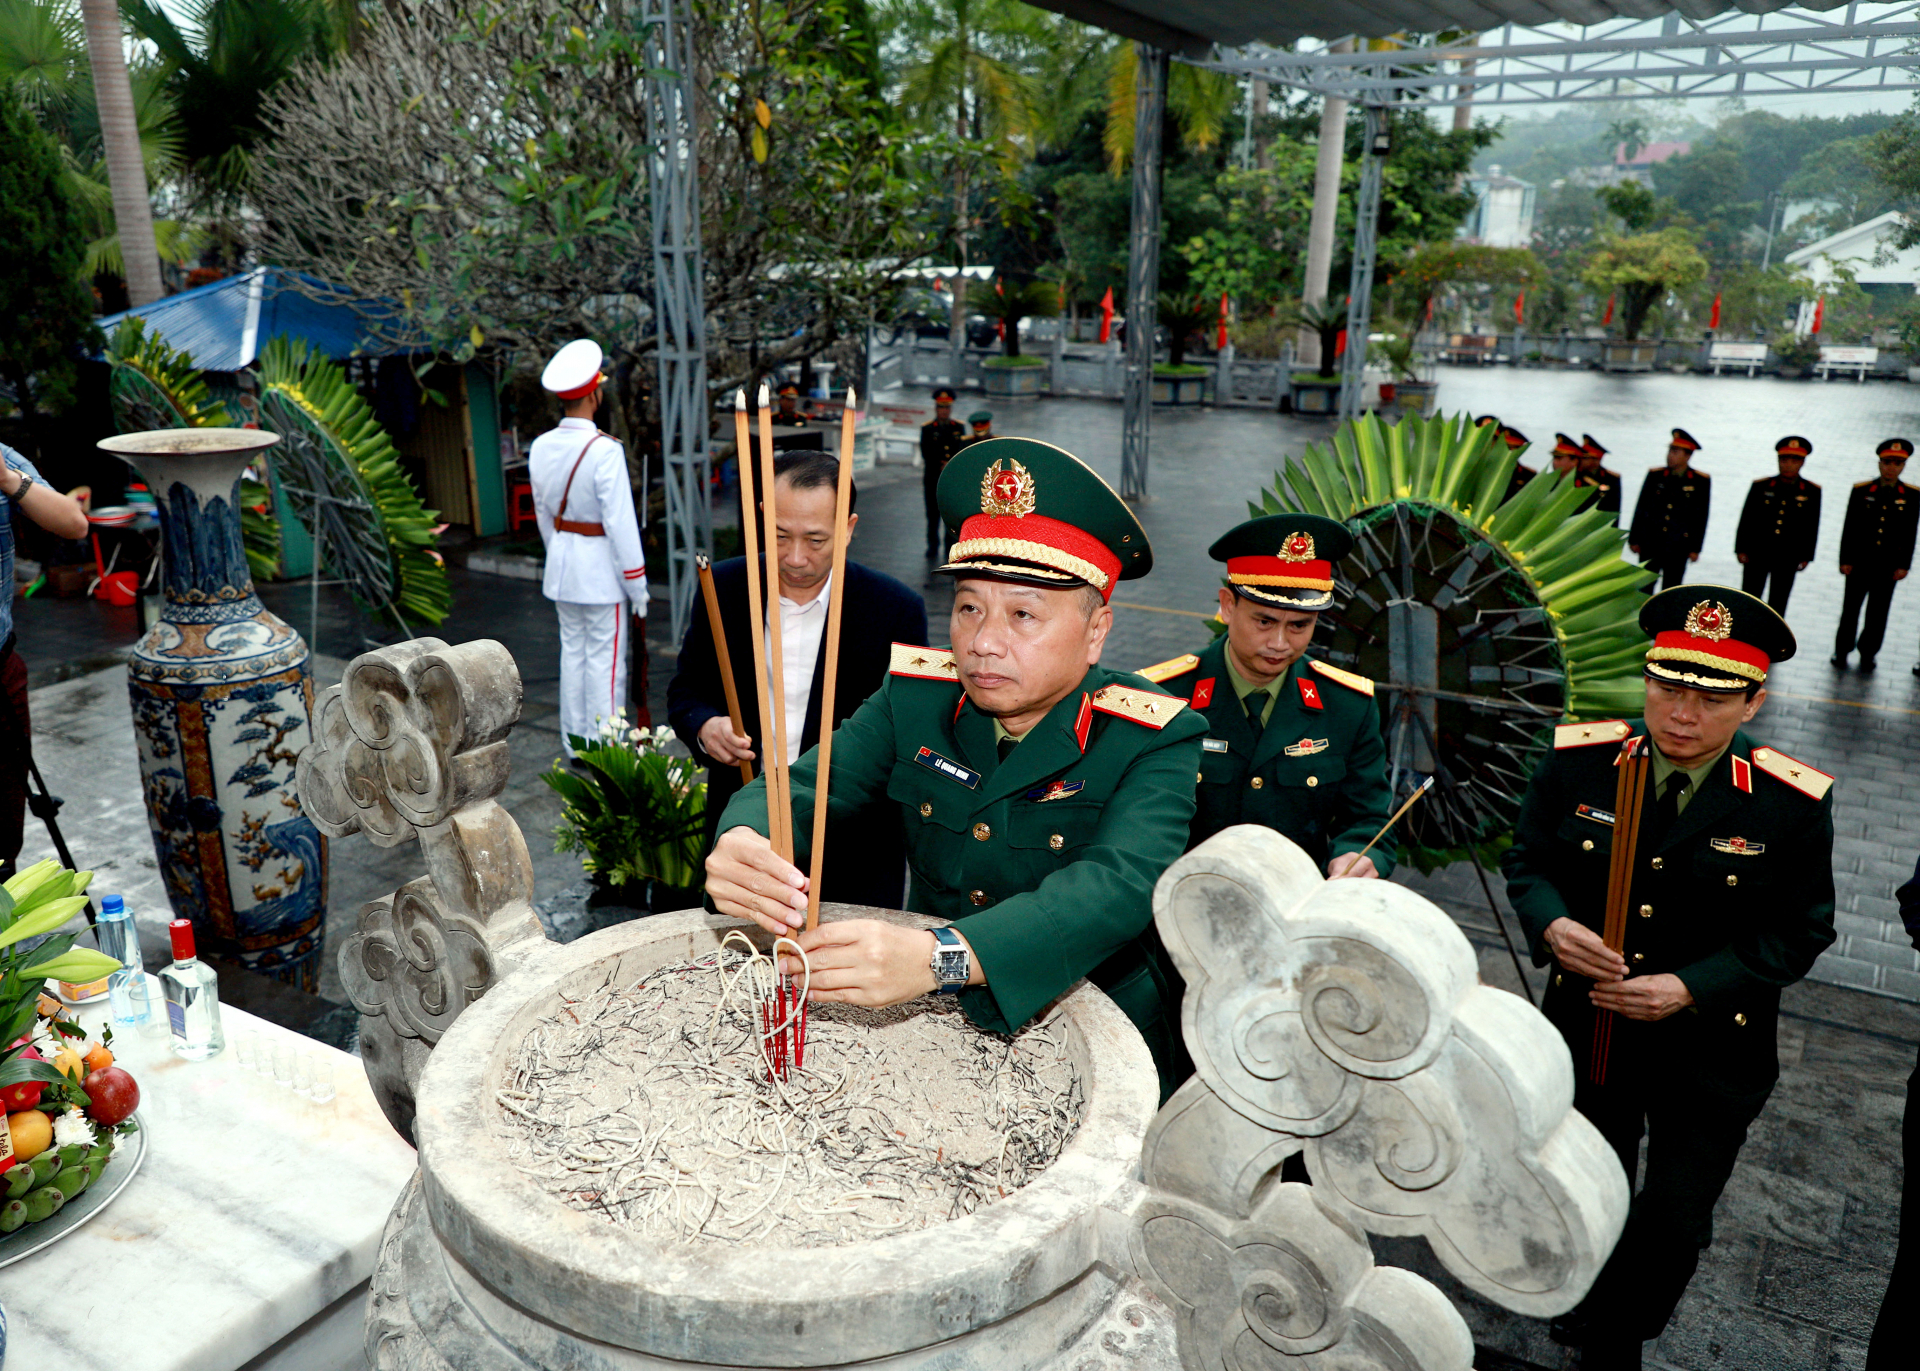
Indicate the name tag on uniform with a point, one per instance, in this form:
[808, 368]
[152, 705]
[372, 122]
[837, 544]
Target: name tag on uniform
[1056, 790]
[1214, 745]
[952, 770]
[1599, 816]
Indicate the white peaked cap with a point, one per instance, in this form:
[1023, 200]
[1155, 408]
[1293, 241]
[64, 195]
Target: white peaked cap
[574, 366]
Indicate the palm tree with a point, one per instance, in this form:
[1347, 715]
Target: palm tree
[1200, 102]
[120, 138]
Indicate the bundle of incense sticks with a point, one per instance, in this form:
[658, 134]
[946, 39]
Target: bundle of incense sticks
[1628, 804]
[786, 1029]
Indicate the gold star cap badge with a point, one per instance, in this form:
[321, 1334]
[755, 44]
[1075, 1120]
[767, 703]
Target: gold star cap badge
[1711, 620]
[1008, 490]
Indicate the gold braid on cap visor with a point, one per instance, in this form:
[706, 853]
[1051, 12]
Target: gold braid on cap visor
[1748, 674]
[1042, 553]
[1298, 582]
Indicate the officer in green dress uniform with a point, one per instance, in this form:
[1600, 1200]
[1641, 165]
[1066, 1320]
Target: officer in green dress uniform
[1779, 525]
[787, 412]
[1516, 442]
[1564, 460]
[1042, 793]
[940, 437]
[1607, 483]
[1670, 518]
[1876, 552]
[980, 422]
[1292, 742]
[1730, 899]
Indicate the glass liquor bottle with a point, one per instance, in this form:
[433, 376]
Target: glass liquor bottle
[193, 999]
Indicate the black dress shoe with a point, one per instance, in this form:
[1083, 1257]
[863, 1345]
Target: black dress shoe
[1866, 664]
[1841, 662]
[1610, 1355]
[1571, 1329]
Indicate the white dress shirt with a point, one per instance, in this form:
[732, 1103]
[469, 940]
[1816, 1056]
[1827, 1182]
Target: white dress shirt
[802, 628]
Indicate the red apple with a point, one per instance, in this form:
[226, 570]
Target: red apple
[114, 1095]
[23, 1094]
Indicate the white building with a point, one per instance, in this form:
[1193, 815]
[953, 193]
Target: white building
[1865, 249]
[1502, 215]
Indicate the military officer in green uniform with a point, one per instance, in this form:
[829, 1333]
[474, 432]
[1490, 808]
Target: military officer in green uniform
[786, 413]
[940, 437]
[1670, 518]
[1876, 552]
[980, 422]
[1042, 793]
[1292, 742]
[1730, 898]
[1779, 525]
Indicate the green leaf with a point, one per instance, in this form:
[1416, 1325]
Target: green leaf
[44, 919]
[77, 964]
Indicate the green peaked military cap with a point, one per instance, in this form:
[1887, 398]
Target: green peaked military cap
[1028, 511]
[1283, 560]
[1708, 637]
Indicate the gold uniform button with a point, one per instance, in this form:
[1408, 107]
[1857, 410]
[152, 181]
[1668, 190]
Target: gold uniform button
[1740, 1020]
[1586, 844]
[1646, 911]
[1056, 842]
[1312, 781]
[1639, 957]
[1258, 782]
[1659, 864]
[1556, 980]
[1197, 778]
[1732, 879]
[980, 898]
[926, 809]
[982, 832]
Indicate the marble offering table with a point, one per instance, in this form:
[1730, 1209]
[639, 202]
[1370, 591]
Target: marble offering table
[245, 1240]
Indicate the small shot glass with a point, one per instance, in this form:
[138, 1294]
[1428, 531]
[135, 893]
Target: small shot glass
[246, 1046]
[283, 1056]
[303, 1074]
[320, 1078]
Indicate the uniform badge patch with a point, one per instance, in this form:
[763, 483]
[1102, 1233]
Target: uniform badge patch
[1738, 847]
[1203, 693]
[1309, 693]
[952, 770]
[1599, 816]
[1056, 790]
[1306, 747]
[1587, 735]
[1214, 745]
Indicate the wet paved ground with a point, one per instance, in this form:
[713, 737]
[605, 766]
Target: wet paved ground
[1806, 1228]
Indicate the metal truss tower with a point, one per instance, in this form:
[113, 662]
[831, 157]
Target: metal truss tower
[679, 300]
[1366, 245]
[1143, 267]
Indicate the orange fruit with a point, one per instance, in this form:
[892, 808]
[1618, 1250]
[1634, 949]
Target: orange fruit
[67, 1062]
[97, 1057]
[32, 1133]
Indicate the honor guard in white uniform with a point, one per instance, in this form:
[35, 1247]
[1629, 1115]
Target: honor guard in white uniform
[595, 564]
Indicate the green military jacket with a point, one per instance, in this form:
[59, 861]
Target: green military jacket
[1316, 773]
[1736, 900]
[1050, 858]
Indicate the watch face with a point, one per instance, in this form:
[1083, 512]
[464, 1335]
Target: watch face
[950, 964]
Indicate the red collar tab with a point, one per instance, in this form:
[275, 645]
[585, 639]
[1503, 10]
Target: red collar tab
[1203, 693]
[1309, 693]
[1084, 720]
[1743, 775]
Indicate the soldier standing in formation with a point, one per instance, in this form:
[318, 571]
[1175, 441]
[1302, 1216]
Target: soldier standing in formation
[1564, 460]
[1594, 475]
[981, 421]
[787, 413]
[1731, 899]
[1292, 742]
[940, 437]
[1876, 552]
[1779, 526]
[1042, 793]
[1670, 518]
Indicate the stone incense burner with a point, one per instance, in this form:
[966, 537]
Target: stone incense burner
[1339, 1020]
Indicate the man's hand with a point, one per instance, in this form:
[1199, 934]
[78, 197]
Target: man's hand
[1801, 567]
[1743, 559]
[1900, 575]
[1634, 548]
[1351, 864]
[866, 962]
[1644, 997]
[1577, 948]
[1693, 556]
[1846, 571]
[749, 880]
[720, 742]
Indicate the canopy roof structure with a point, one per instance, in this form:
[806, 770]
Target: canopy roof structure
[223, 325]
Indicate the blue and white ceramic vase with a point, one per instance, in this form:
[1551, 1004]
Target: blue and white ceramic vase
[222, 709]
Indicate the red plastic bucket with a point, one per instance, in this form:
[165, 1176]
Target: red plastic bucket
[119, 588]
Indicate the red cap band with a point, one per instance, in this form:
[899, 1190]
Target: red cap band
[1277, 571]
[580, 392]
[1039, 539]
[181, 931]
[1737, 658]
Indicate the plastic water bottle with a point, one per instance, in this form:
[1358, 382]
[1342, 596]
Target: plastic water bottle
[119, 939]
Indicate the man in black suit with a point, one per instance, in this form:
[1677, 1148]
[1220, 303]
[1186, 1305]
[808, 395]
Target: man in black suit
[1896, 1336]
[1670, 519]
[1779, 526]
[866, 858]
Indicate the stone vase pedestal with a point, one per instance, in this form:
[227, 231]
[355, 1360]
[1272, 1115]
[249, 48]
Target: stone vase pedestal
[222, 694]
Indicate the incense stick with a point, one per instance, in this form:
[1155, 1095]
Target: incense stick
[842, 500]
[704, 565]
[743, 443]
[779, 795]
[1425, 786]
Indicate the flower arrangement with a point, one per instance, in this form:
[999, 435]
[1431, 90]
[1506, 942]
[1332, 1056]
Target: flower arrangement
[632, 810]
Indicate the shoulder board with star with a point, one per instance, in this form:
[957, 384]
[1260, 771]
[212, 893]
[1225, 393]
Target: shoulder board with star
[1141, 706]
[1350, 680]
[923, 663]
[1167, 670]
[1803, 778]
[1861, 485]
[1589, 735]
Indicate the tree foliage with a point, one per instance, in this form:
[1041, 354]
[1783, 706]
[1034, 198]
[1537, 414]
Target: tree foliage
[1642, 268]
[48, 312]
[1437, 267]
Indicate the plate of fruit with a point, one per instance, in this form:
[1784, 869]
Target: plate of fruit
[72, 1141]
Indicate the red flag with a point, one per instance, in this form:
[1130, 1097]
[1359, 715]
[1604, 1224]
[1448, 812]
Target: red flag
[1520, 308]
[1340, 343]
[1607, 318]
[1106, 315]
[1220, 342]
[1819, 311]
[1714, 322]
[1429, 309]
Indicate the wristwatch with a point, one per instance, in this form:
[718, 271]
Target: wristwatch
[26, 484]
[952, 962]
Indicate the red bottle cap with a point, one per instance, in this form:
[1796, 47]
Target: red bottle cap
[181, 931]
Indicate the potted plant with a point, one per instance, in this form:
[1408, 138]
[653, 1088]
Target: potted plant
[1318, 392]
[637, 816]
[1796, 354]
[1013, 374]
[1638, 270]
[1176, 381]
[1402, 358]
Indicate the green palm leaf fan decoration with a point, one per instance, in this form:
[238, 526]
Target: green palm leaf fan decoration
[376, 534]
[1486, 619]
[156, 386]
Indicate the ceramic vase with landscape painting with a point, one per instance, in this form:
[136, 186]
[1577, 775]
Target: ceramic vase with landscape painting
[222, 693]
